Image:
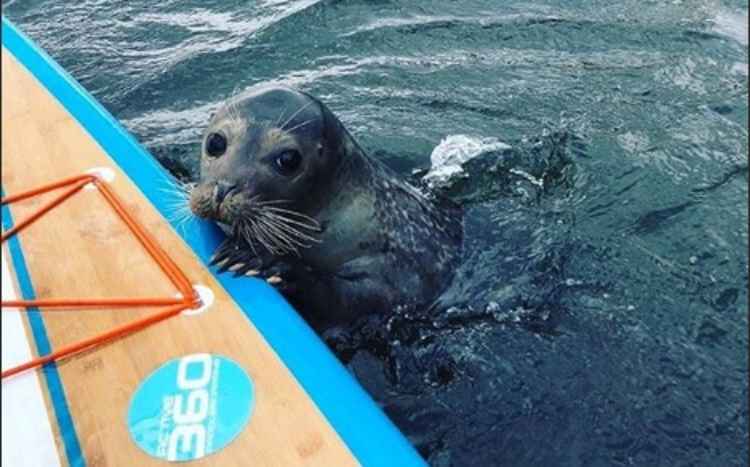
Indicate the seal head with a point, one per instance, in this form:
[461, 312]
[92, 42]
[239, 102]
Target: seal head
[250, 154]
[305, 207]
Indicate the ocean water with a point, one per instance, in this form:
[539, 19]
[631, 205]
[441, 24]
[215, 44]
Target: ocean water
[600, 150]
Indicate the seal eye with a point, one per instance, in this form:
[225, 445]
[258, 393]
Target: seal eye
[216, 144]
[287, 162]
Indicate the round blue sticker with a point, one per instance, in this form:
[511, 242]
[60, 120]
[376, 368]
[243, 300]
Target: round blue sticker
[191, 407]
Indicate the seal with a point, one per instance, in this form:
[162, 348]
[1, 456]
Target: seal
[338, 232]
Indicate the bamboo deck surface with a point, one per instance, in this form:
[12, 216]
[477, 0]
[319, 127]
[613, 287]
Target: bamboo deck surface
[83, 249]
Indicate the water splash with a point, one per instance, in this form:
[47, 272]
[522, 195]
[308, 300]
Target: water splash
[732, 25]
[448, 157]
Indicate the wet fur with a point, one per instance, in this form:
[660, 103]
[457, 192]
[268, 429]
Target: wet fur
[354, 238]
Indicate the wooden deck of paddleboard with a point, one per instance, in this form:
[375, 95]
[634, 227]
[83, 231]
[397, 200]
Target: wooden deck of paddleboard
[82, 249]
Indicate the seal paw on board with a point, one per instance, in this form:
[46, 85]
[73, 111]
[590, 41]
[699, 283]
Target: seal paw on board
[233, 255]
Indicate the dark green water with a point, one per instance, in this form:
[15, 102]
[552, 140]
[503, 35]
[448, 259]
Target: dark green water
[600, 318]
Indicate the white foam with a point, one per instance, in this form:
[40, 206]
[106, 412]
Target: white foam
[732, 24]
[448, 157]
[740, 68]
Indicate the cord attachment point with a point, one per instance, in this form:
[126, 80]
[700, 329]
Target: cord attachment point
[99, 174]
[204, 298]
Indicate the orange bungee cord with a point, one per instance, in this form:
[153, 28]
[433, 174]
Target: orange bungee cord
[187, 298]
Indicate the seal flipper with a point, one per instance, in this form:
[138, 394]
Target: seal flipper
[237, 256]
[231, 252]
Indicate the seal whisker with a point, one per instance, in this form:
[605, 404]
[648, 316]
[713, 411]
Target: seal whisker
[228, 254]
[272, 202]
[306, 227]
[176, 190]
[315, 227]
[292, 231]
[242, 231]
[182, 217]
[288, 240]
[186, 187]
[265, 125]
[277, 231]
[248, 236]
[283, 241]
[300, 237]
[178, 201]
[300, 125]
[251, 236]
[281, 115]
[290, 212]
[233, 112]
[264, 239]
[290, 243]
[179, 204]
[253, 201]
[291, 237]
[295, 114]
[235, 116]
[225, 253]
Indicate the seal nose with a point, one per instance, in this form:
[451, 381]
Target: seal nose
[222, 189]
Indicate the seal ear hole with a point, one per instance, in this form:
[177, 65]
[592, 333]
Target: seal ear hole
[287, 162]
[216, 144]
